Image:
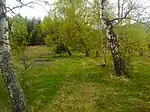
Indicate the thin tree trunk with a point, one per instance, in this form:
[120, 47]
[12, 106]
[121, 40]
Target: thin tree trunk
[85, 48]
[87, 53]
[69, 52]
[15, 92]
[82, 41]
[97, 53]
[122, 8]
[119, 9]
[112, 40]
[67, 48]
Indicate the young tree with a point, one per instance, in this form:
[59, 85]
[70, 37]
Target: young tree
[15, 92]
[52, 29]
[76, 27]
[123, 17]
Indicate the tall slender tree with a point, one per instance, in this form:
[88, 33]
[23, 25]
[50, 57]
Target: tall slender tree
[15, 92]
[112, 40]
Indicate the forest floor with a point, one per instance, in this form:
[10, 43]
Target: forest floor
[78, 84]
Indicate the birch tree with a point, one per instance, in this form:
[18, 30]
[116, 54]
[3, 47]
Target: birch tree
[15, 91]
[128, 12]
[112, 40]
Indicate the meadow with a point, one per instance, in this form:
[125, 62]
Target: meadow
[78, 83]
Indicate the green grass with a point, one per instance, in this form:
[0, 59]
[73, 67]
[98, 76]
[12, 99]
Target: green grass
[78, 84]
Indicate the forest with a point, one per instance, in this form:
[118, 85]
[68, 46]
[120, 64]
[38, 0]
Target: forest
[83, 56]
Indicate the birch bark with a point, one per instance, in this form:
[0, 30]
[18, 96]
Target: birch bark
[112, 40]
[15, 92]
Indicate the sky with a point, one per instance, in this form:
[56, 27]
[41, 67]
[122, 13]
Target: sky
[37, 11]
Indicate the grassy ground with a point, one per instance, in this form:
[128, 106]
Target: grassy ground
[78, 84]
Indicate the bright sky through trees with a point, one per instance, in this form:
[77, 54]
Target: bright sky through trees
[39, 12]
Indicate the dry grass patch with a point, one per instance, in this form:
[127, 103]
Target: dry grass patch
[75, 97]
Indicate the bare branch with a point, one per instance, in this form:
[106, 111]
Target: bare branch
[19, 6]
[133, 7]
[135, 20]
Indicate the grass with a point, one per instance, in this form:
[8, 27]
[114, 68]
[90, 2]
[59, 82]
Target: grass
[78, 84]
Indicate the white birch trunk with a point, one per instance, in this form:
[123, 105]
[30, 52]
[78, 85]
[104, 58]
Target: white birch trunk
[15, 92]
[112, 41]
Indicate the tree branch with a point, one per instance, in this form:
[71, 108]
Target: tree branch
[28, 4]
[135, 20]
[19, 6]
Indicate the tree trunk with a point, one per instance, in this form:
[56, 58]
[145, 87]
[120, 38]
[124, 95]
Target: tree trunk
[69, 52]
[87, 53]
[97, 53]
[85, 48]
[119, 10]
[141, 53]
[112, 40]
[15, 92]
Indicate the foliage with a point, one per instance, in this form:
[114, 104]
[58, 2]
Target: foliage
[71, 28]
[18, 34]
[132, 39]
[135, 36]
[34, 31]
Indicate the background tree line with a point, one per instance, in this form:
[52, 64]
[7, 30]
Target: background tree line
[77, 26]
